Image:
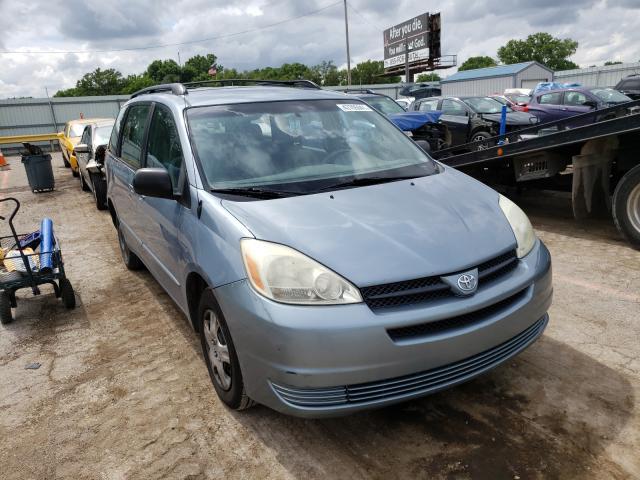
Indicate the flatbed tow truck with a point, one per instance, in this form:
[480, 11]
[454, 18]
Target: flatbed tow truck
[595, 156]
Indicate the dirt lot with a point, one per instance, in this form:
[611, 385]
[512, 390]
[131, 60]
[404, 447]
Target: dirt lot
[123, 392]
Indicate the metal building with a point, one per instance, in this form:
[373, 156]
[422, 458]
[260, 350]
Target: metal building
[607, 76]
[485, 81]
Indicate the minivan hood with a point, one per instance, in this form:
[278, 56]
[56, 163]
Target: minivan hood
[513, 118]
[390, 232]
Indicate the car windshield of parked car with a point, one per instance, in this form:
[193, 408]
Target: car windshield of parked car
[484, 105]
[386, 105]
[609, 95]
[304, 145]
[102, 135]
[76, 130]
[519, 99]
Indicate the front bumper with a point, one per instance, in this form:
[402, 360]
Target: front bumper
[323, 361]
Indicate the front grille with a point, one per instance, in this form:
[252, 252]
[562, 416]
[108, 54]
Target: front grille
[410, 385]
[427, 289]
[440, 326]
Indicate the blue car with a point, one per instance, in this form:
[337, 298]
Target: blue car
[328, 264]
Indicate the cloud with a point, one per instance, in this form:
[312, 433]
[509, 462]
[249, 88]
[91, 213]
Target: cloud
[605, 30]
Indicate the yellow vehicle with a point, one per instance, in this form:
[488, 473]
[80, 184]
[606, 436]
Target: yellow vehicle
[70, 137]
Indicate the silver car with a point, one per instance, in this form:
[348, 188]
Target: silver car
[327, 262]
[90, 153]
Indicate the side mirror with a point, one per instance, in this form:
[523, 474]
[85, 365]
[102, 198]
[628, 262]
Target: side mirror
[591, 104]
[81, 148]
[153, 182]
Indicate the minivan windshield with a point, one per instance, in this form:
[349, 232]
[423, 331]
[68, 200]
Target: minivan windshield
[300, 146]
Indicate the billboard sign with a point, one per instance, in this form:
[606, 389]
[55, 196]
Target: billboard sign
[412, 35]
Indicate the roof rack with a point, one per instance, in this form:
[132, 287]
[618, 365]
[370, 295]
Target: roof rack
[174, 88]
[243, 81]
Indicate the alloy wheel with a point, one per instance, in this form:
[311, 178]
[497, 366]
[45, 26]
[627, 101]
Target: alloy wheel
[217, 349]
[633, 207]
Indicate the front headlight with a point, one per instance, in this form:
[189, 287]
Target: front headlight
[520, 225]
[286, 275]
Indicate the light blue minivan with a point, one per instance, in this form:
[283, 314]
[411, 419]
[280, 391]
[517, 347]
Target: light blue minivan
[327, 262]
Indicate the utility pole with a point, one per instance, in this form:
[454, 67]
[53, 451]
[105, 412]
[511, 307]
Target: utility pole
[346, 30]
[407, 75]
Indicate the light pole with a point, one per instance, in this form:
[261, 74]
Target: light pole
[346, 30]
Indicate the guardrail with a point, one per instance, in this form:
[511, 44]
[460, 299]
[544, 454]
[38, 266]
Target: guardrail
[42, 137]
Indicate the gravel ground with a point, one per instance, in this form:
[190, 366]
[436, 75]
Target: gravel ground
[123, 392]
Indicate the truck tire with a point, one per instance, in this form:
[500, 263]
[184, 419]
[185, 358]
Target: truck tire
[626, 206]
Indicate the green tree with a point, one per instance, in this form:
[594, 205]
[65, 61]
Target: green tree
[610, 62]
[472, 63]
[428, 77]
[541, 47]
[370, 72]
[133, 83]
[164, 71]
[196, 69]
[98, 82]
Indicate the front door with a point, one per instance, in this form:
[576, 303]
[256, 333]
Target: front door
[456, 117]
[83, 158]
[162, 243]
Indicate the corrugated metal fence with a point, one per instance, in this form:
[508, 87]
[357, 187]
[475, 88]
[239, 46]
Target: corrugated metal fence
[607, 76]
[25, 116]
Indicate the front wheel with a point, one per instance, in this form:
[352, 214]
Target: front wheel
[220, 354]
[626, 206]
[130, 259]
[481, 138]
[65, 161]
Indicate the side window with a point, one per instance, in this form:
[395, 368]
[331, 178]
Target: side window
[550, 99]
[428, 106]
[133, 134]
[115, 133]
[451, 107]
[86, 136]
[631, 84]
[163, 147]
[575, 99]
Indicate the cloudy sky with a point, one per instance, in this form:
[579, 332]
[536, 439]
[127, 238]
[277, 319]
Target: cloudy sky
[605, 29]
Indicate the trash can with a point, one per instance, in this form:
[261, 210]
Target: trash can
[39, 172]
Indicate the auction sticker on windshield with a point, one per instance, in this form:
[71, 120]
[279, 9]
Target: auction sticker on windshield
[354, 107]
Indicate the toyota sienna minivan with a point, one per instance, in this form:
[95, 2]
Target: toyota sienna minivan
[328, 264]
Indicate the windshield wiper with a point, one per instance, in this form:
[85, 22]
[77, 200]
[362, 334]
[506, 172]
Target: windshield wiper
[364, 181]
[256, 192]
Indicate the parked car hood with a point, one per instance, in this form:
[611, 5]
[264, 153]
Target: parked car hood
[409, 121]
[384, 233]
[513, 118]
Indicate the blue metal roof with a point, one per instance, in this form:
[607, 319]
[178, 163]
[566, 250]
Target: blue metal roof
[499, 71]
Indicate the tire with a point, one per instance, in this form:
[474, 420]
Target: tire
[130, 259]
[479, 136]
[220, 354]
[5, 308]
[67, 294]
[74, 173]
[65, 160]
[99, 191]
[626, 206]
[83, 184]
